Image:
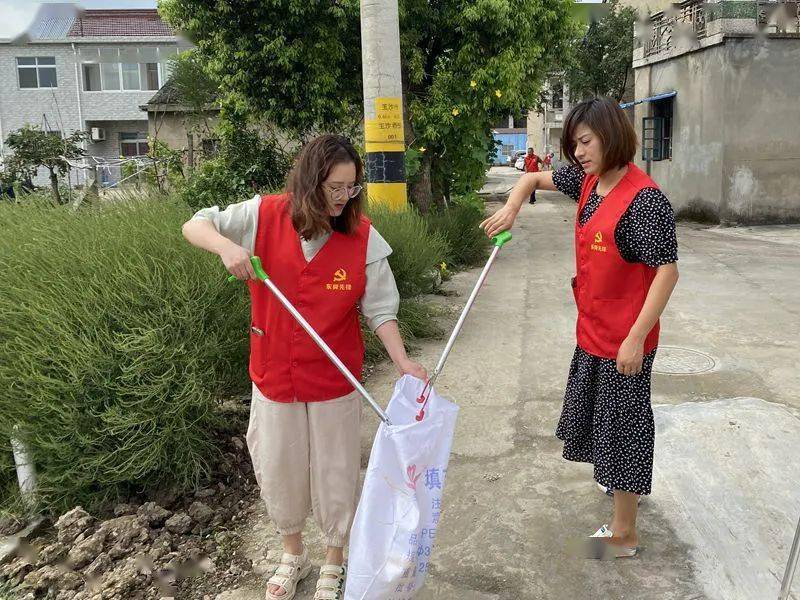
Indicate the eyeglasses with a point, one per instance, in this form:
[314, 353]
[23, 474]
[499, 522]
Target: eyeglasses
[348, 191]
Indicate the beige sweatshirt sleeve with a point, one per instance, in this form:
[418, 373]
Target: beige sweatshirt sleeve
[238, 222]
[381, 300]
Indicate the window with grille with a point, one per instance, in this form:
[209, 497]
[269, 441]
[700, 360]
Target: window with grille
[657, 131]
[558, 96]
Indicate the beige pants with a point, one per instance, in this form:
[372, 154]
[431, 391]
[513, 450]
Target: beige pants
[307, 457]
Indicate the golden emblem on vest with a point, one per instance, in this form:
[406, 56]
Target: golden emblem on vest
[598, 239]
[339, 277]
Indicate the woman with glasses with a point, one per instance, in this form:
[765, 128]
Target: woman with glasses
[303, 437]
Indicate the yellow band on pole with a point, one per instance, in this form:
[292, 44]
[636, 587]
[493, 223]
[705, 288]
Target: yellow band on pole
[393, 195]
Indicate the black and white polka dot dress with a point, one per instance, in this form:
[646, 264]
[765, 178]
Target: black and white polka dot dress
[607, 419]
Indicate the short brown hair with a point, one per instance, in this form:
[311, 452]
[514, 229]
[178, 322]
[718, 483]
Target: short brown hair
[606, 119]
[309, 205]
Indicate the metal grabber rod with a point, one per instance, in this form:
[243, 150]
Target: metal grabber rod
[262, 275]
[499, 241]
[791, 566]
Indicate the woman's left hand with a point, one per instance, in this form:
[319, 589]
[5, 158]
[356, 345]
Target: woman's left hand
[630, 356]
[409, 367]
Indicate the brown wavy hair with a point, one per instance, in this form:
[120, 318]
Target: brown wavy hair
[309, 204]
[607, 120]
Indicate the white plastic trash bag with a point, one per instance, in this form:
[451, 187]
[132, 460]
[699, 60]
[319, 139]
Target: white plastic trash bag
[394, 530]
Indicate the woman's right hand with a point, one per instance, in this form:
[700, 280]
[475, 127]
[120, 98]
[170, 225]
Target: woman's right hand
[500, 221]
[237, 260]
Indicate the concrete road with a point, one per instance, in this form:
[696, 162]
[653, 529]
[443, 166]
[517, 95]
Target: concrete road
[726, 494]
[500, 180]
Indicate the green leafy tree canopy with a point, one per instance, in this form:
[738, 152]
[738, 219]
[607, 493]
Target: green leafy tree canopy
[294, 63]
[297, 64]
[468, 65]
[34, 148]
[601, 57]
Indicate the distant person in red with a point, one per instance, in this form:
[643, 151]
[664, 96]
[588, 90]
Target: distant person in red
[547, 163]
[532, 162]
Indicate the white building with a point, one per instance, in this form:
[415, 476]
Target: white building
[546, 123]
[89, 71]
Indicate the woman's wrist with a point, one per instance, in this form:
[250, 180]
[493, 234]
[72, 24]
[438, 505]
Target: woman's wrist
[221, 244]
[518, 199]
[515, 204]
[400, 360]
[637, 336]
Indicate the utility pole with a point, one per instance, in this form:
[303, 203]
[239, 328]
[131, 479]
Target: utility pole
[383, 103]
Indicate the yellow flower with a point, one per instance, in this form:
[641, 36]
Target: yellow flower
[456, 112]
[443, 266]
[422, 149]
[473, 84]
[498, 93]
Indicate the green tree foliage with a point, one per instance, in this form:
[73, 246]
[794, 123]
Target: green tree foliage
[468, 65]
[297, 64]
[294, 63]
[34, 148]
[194, 87]
[250, 160]
[600, 60]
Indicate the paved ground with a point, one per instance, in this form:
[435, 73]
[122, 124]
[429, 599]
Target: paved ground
[727, 477]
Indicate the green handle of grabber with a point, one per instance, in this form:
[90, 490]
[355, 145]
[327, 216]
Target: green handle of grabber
[257, 267]
[502, 238]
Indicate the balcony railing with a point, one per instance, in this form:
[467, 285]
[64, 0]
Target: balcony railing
[691, 19]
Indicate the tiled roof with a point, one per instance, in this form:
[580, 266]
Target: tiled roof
[132, 22]
[169, 98]
[168, 94]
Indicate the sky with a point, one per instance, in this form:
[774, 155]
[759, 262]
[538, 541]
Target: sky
[16, 15]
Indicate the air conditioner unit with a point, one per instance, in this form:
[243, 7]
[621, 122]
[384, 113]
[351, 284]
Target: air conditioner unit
[98, 134]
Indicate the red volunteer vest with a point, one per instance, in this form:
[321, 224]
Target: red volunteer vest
[531, 163]
[285, 363]
[609, 291]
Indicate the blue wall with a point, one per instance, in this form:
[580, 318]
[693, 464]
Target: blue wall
[519, 141]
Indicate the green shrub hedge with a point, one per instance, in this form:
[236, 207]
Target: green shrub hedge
[467, 244]
[417, 249]
[118, 340]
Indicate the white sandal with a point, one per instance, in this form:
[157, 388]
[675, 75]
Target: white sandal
[292, 570]
[607, 551]
[330, 585]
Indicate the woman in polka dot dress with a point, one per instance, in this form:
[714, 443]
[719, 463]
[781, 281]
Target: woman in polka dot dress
[626, 255]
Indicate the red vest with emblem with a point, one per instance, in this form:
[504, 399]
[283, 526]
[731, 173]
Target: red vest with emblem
[609, 291]
[285, 363]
